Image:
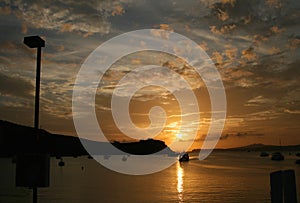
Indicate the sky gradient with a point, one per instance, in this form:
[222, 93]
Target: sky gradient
[255, 45]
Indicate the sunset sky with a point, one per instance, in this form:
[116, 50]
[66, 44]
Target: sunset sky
[255, 45]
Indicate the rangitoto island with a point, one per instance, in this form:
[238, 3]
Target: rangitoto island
[18, 139]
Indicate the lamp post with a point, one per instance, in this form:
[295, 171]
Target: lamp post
[36, 42]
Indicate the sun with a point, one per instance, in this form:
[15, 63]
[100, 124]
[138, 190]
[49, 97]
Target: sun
[179, 136]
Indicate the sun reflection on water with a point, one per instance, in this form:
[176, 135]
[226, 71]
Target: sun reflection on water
[180, 174]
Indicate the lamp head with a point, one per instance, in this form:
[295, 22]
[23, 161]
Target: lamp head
[34, 41]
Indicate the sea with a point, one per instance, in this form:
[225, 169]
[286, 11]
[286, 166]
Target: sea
[222, 177]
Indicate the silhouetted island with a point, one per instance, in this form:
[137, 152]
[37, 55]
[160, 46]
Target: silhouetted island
[259, 148]
[18, 139]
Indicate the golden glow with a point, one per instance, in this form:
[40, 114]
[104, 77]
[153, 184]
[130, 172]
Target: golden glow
[180, 174]
[179, 136]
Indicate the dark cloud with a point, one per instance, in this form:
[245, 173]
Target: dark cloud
[16, 87]
[241, 135]
[86, 18]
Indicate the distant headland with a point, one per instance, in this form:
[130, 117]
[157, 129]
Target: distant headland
[18, 139]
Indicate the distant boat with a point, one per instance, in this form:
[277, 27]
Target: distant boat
[184, 157]
[61, 163]
[277, 156]
[264, 154]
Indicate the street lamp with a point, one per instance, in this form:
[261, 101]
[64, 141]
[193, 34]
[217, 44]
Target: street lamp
[32, 169]
[36, 42]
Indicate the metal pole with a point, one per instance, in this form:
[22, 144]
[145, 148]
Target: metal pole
[37, 107]
[34, 195]
[37, 88]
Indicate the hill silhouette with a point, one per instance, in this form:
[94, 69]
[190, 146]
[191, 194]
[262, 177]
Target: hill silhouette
[259, 147]
[18, 139]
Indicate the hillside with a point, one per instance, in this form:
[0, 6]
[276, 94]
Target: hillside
[260, 147]
[16, 139]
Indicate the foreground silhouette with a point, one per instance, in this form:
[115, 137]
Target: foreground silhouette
[18, 139]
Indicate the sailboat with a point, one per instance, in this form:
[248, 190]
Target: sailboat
[277, 156]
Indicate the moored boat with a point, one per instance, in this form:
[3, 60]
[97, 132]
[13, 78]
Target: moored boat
[264, 154]
[277, 156]
[184, 157]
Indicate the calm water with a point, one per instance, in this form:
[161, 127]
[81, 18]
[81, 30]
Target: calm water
[223, 177]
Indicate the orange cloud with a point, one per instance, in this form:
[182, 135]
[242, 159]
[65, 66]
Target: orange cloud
[231, 2]
[187, 28]
[136, 61]
[294, 43]
[276, 30]
[240, 73]
[247, 19]
[274, 3]
[160, 33]
[231, 53]
[214, 29]
[5, 10]
[227, 28]
[274, 50]
[68, 27]
[249, 54]
[257, 39]
[222, 15]
[87, 34]
[223, 30]
[217, 57]
[60, 48]
[165, 27]
[24, 29]
[203, 45]
[118, 10]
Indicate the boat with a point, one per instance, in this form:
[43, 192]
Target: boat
[184, 157]
[277, 156]
[264, 154]
[61, 163]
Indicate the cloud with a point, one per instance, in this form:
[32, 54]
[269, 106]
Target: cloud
[259, 100]
[222, 15]
[231, 2]
[118, 10]
[15, 86]
[276, 30]
[5, 10]
[226, 136]
[292, 111]
[68, 16]
[67, 27]
[263, 115]
[241, 135]
[224, 29]
[294, 43]
[249, 54]
[24, 29]
[217, 58]
[274, 3]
